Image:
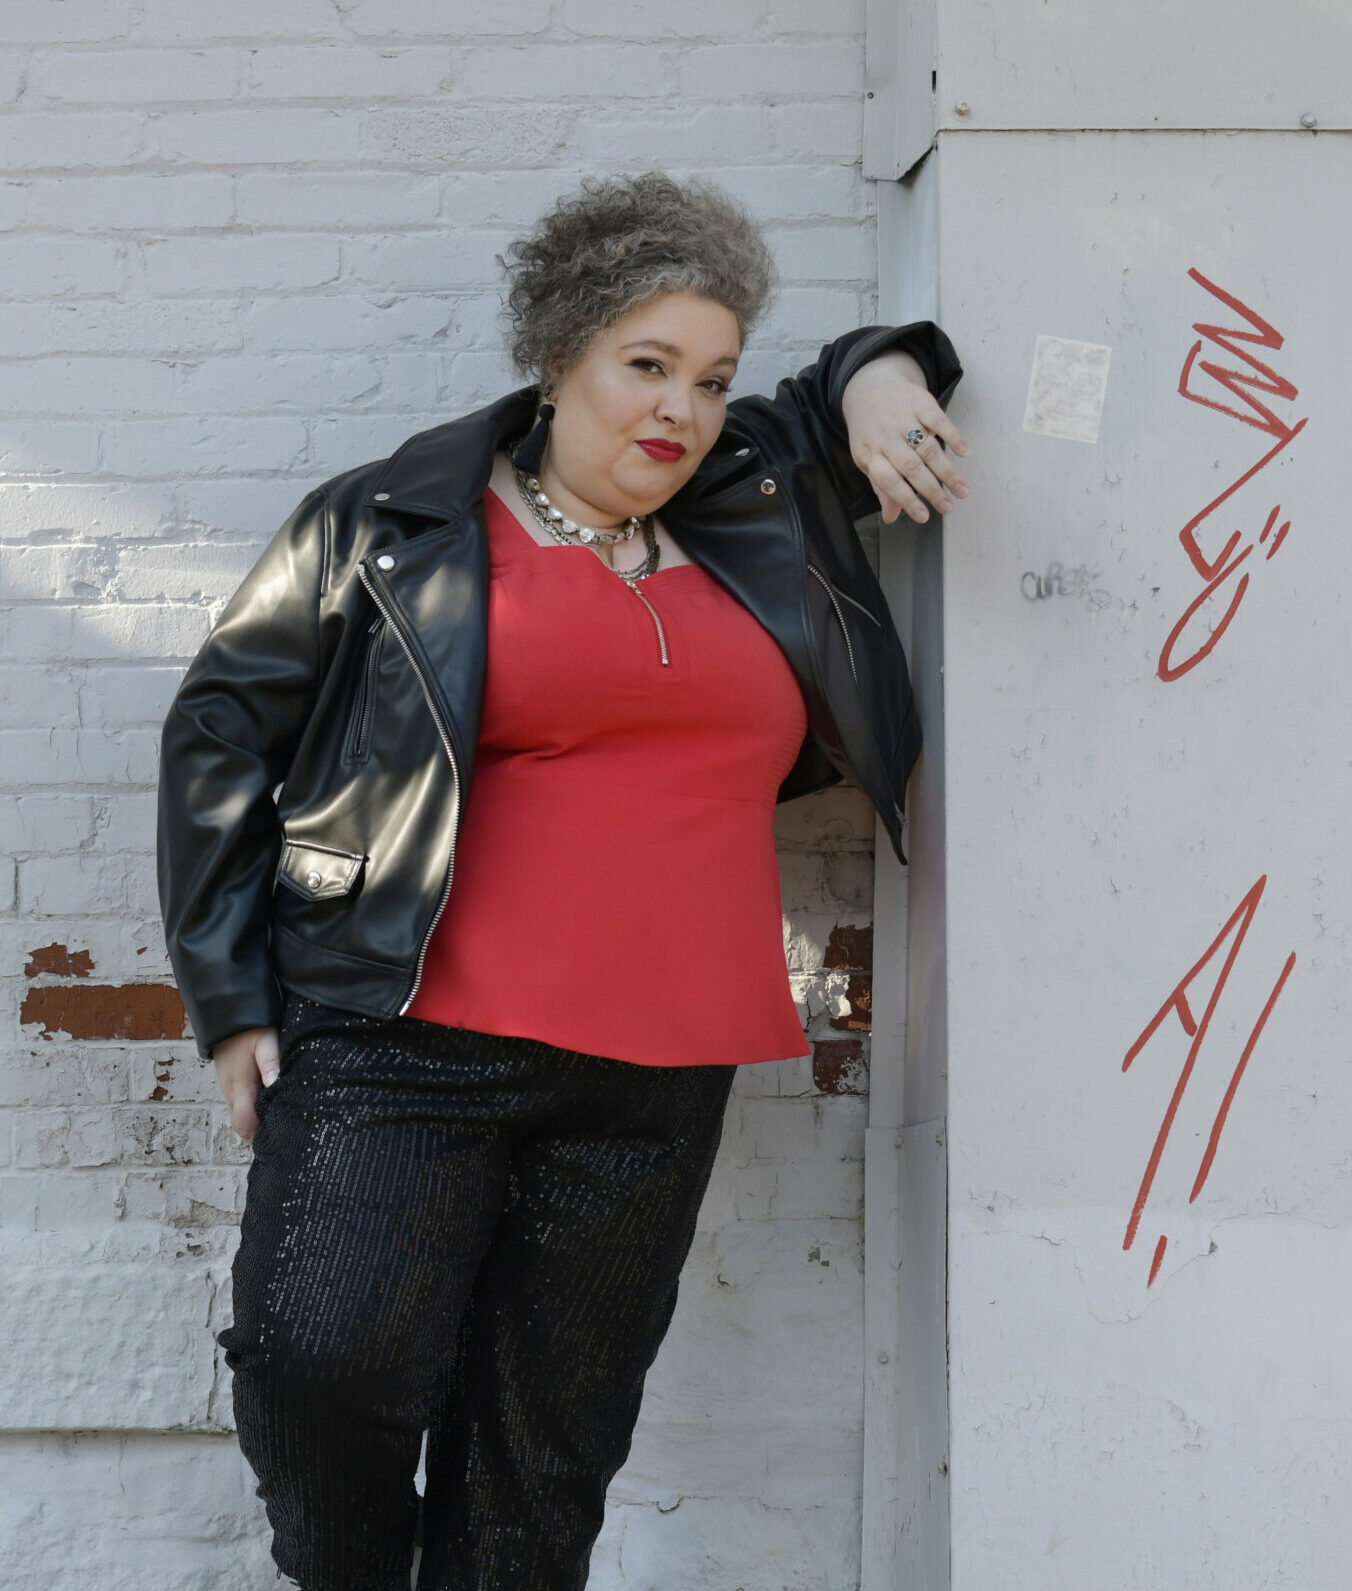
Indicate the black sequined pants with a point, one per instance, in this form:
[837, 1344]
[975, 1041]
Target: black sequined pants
[475, 1236]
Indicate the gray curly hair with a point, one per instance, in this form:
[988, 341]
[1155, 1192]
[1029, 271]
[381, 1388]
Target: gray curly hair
[617, 242]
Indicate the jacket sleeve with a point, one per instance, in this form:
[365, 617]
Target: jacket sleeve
[805, 411]
[228, 741]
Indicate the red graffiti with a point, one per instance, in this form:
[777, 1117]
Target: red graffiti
[1180, 1004]
[1244, 388]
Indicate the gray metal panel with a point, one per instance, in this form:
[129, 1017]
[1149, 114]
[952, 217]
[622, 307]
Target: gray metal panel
[1144, 64]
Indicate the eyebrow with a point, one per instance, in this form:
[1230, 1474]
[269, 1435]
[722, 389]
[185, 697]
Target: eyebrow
[671, 348]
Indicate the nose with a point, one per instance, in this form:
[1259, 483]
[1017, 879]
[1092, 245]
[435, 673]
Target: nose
[675, 405]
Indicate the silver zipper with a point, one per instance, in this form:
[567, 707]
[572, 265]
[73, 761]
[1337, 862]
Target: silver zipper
[661, 633]
[830, 591]
[445, 734]
[357, 739]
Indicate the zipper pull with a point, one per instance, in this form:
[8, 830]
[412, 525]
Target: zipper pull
[661, 633]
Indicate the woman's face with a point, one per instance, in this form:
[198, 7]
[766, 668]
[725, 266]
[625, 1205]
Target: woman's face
[642, 406]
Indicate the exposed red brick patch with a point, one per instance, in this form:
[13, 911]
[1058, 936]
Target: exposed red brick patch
[106, 1011]
[858, 1018]
[58, 962]
[849, 950]
[161, 1088]
[839, 1067]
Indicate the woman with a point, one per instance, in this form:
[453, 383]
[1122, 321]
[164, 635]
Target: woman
[475, 774]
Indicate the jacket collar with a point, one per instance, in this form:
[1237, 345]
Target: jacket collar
[444, 472]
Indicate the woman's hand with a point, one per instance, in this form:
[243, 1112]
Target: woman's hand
[242, 1062]
[882, 401]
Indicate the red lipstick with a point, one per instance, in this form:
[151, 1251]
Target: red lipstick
[656, 448]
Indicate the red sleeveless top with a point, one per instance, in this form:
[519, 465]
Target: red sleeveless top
[615, 887]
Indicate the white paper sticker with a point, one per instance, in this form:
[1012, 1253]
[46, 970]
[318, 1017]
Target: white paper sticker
[1066, 388]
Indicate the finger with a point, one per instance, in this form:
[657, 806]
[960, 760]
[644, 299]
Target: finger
[243, 1115]
[944, 470]
[895, 490]
[267, 1056]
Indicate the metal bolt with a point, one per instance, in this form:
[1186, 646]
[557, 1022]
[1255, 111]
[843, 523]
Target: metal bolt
[882, 1356]
[313, 880]
[381, 497]
[385, 561]
[1309, 119]
[742, 452]
[962, 108]
[768, 487]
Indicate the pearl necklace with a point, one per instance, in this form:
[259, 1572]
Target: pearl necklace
[568, 533]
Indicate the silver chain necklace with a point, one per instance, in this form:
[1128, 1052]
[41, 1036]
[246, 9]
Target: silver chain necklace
[568, 533]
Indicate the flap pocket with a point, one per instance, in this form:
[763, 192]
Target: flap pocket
[318, 872]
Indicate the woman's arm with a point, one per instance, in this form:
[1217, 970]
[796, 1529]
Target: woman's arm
[805, 419]
[229, 740]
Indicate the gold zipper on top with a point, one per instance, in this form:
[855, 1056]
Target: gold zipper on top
[661, 633]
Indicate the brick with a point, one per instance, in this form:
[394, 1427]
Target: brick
[13, 77]
[79, 1139]
[343, 321]
[457, 257]
[349, 71]
[849, 949]
[269, 262]
[195, 572]
[57, 885]
[48, 447]
[486, 198]
[246, 508]
[839, 1066]
[268, 136]
[31, 697]
[144, 201]
[800, 193]
[38, 757]
[49, 1317]
[9, 885]
[127, 822]
[848, 878]
[93, 386]
[344, 202]
[163, 328]
[505, 134]
[119, 695]
[141, 77]
[93, 630]
[193, 21]
[830, 252]
[70, 22]
[105, 1011]
[839, 819]
[35, 141]
[46, 824]
[41, 267]
[854, 1005]
[67, 1076]
[819, 133]
[722, 20]
[584, 69]
[164, 1135]
[54, 572]
[248, 384]
[341, 444]
[703, 133]
[733, 71]
[412, 19]
[199, 1197]
[58, 961]
[176, 446]
[175, 1079]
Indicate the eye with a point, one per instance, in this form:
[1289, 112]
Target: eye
[648, 365]
[717, 386]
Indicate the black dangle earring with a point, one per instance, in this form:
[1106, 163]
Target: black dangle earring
[530, 451]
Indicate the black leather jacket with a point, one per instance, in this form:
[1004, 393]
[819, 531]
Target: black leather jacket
[317, 756]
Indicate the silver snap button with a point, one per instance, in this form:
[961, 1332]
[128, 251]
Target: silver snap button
[381, 497]
[384, 561]
[768, 487]
[313, 880]
[742, 452]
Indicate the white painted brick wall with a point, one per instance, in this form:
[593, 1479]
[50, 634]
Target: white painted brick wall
[249, 245]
